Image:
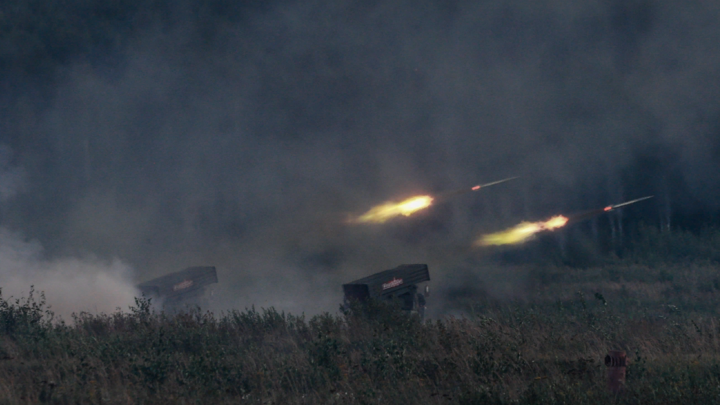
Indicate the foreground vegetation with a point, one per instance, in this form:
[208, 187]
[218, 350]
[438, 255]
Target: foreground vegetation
[544, 352]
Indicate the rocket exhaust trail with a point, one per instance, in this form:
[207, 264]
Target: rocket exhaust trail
[460, 191]
[589, 214]
[526, 230]
[391, 209]
[493, 183]
[612, 207]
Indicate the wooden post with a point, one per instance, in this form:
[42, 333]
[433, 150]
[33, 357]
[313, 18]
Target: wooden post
[616, 362]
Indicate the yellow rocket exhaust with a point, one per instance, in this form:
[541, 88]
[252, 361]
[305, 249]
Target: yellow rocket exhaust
[521, 232]
[391, 209]
[388, 210]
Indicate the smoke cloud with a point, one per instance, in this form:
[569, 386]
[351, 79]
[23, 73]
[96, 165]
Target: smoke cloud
[69, 284]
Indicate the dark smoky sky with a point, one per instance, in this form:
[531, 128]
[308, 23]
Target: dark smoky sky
[244, 136]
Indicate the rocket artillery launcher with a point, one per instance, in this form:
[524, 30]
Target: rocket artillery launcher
[181, 289]
[399, 283]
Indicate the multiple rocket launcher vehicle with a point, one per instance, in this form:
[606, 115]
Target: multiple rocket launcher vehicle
[400, 284]
[187, 288]
[182, 289]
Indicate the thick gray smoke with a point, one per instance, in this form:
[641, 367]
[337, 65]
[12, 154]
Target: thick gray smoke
[244, 143]
[69, 284]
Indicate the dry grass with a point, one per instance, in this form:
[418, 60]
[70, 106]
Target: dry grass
[507, 353]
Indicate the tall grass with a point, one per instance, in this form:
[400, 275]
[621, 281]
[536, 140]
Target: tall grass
[518, 353]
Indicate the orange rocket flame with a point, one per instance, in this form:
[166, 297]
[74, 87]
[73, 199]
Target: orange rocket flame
[391, 209]
[521, 232]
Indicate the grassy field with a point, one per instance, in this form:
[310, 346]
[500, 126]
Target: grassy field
[547, 348]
